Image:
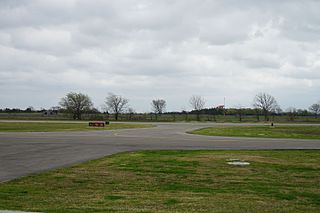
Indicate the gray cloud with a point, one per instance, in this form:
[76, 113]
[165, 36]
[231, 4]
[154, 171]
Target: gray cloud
[168, 49]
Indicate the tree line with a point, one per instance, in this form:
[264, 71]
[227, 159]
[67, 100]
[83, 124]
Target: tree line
[77, 104]
[263, 104]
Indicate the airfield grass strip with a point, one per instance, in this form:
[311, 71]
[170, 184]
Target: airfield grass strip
[174, 181]
[299, 132]
[55, 127]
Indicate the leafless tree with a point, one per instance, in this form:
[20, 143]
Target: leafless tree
[77, 104]
[197, 103]
[158, 106]
[266, 103]
[116, 104]
[315, 108]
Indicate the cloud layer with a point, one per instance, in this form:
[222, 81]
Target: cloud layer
[159, 49]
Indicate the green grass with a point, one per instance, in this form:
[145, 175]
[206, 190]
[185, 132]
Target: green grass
[300, 132]
[174, 181]
[53, 127]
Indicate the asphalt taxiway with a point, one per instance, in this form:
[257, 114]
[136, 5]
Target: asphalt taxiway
[24, 153]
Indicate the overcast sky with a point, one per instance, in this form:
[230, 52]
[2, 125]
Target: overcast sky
[168, 49]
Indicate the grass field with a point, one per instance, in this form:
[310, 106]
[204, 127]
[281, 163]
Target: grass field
[174, 181]
[301, 132]
[53, 127]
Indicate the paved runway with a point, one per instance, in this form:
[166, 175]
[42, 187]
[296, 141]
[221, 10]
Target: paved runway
[27, 153]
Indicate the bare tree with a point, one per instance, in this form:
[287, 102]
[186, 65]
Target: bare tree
[77, 104]
[158, 106]
[315, 108]
[197, 103]
[116, 104]
[266, 103]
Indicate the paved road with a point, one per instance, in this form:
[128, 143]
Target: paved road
[26, 153]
